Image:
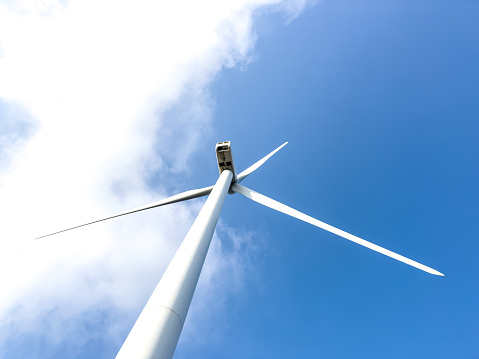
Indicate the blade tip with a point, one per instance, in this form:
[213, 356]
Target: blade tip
[435, 272]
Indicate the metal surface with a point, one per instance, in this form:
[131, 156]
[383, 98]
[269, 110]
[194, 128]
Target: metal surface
[257, 165]
[257, 197]
[194, 193]
[156, 332]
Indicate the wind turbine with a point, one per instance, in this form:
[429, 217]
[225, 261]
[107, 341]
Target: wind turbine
[158, 328]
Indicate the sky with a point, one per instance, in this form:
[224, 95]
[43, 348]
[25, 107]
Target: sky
[105, 106]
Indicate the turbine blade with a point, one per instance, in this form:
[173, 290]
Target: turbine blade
[257, 197]
[195, 193]
[257, 165]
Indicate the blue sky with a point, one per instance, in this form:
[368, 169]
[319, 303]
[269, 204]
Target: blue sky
[378, 101]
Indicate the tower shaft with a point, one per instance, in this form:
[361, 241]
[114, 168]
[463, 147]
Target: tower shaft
[158, 328]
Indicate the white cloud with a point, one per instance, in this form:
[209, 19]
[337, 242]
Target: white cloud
[90, 82]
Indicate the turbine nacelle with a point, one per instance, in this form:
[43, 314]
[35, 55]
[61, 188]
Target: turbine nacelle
[225, 158]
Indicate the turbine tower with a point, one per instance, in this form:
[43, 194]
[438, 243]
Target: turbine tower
[158, 328]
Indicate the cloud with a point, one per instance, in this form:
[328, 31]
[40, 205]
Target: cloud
[94, 94]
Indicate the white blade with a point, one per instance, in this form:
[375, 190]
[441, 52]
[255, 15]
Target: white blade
[194, 193]
[257, 197]
[257, 165]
